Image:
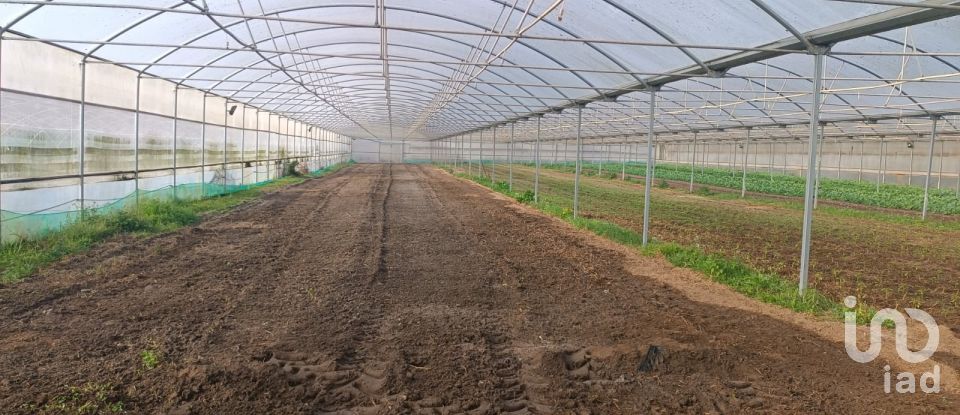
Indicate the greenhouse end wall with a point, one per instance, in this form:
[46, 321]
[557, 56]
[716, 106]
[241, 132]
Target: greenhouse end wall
[184, 143]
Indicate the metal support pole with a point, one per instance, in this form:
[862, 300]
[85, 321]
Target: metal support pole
[480, 160]
[226, 113]
[880, 164]
[136, 146]
[860, 172]
[926, 183]
[536, 175]
[203, 147]
[493, 168]
[243, 144]
[256, 152]
[510, 167]
[176, 101]
[839, 157]
[883, 161]
[812, 162]
[83, 135]
[819, 167]
[770, 157]
[693, 166]
[269, 129]
[600, 165]
[648, 183]
[623, 160]
[579, 166]
[746, 155]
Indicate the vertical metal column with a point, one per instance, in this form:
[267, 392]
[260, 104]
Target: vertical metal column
[623, 159]
[812, 161]
[576, 176]
[839, 157]
[226, 114]
[926, 183]
[819, 165]
[243, 144]
[83, 135]
[880, 165]
[510, 167]
[269, 128]
[536, 174]
[648, 182]
[136, 146]
[746, 156]
[493, 168]
[176, 101]
[883, 161]
[693, 165]
[860, 172]
[480, 159]
[770, 156]
[256, 145]
[203, 147]
[600, 166]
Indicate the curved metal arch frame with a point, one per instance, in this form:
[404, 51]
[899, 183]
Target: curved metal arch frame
[398, 65]
[265, 59]
[187, 2]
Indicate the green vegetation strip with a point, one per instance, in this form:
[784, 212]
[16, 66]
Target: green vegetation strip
[765, 287]
[22, 258]
[864, 193]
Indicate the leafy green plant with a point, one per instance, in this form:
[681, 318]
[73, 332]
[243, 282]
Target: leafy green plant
[90, 398]
[149, 359]
[864, 193]
[525, 197]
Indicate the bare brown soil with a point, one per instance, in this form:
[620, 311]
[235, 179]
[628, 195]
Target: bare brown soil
[882, 263]
[400, 289]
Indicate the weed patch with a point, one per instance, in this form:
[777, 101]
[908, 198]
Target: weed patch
[22, 258]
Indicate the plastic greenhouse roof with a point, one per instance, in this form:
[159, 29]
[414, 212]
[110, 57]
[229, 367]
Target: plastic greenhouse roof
[414, 69]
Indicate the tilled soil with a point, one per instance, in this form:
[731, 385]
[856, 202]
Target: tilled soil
[400, 289]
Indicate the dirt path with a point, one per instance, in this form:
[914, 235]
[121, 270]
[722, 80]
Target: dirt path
[400, 289]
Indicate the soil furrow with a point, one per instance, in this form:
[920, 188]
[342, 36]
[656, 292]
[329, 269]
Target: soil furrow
[398, 289]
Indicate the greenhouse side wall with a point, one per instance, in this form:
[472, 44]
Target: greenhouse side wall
[184, 144]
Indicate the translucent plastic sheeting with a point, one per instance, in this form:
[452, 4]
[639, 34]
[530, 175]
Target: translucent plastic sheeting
[420, 69]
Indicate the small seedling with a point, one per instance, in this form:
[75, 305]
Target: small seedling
[150, 359]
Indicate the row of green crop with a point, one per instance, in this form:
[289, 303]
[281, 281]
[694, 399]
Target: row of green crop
[765, 287]
[864, 193]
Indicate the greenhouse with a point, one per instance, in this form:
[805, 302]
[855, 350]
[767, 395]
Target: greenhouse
[479, 206]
